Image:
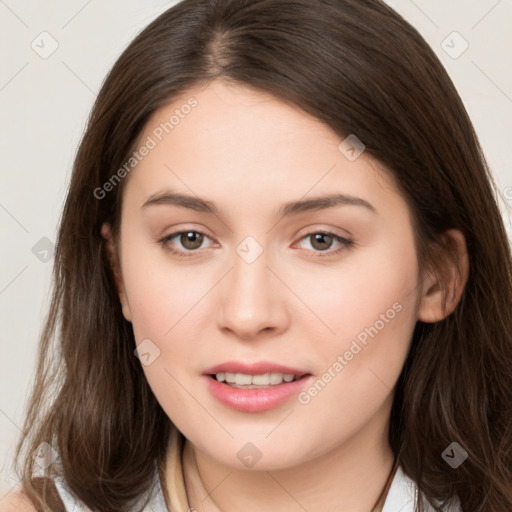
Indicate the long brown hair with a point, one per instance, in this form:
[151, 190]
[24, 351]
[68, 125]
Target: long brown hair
[360, 68]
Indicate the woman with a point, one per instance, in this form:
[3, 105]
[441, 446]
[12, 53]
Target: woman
[286, 197]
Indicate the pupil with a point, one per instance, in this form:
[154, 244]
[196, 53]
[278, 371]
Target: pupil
[318, 238]
[191, 240]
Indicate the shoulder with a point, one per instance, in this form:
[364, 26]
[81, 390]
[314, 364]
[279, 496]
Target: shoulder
[402, 496]
[16, 501]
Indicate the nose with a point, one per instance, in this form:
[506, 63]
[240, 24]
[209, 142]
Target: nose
[252, 302]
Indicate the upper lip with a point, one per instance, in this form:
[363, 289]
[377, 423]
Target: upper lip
[257, 368]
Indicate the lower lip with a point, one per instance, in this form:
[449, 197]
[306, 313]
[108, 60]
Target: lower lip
[255, 400]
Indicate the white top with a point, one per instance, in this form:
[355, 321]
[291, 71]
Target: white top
[400, 498]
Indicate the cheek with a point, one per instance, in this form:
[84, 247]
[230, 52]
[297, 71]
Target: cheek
[161, 294]
[164, 300]
[170, 305]
[372, 308]
[367, 288]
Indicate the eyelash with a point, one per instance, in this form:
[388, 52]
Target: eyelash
[346, 243]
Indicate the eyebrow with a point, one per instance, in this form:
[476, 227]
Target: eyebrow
[286, 210]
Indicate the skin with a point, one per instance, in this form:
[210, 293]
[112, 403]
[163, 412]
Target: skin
[249, 153]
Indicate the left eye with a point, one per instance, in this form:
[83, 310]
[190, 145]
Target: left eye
[191, 241]
[321, 239]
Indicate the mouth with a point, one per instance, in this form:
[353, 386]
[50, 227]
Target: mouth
[254, 387]
[255, 381]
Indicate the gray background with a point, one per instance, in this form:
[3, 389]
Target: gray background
[45, 100]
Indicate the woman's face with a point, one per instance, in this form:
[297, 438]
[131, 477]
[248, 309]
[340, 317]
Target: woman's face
[255, 288]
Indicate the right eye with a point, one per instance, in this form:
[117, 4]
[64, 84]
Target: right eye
[190, 240]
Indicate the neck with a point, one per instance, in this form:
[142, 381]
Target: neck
[351, 477]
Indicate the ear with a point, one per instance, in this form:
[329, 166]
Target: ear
[106, 233]
[443, 285]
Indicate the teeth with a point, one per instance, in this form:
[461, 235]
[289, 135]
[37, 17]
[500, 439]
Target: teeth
[263, 380]
[260, 380]
[276, 378]
[242, 379]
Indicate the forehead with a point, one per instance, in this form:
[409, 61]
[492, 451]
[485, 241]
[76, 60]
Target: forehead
[238, 117]
[231, 141]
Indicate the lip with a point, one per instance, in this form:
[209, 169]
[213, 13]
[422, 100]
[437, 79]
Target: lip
[254, 400]
[258, 368]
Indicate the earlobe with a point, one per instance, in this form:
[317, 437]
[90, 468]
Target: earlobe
[443, 286]
[106, 233]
